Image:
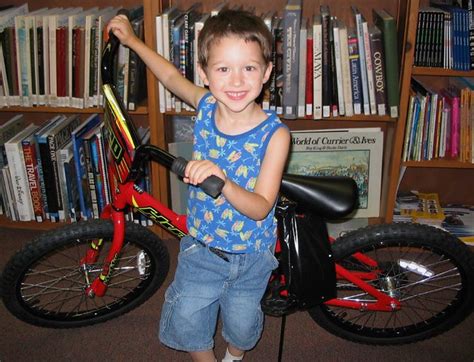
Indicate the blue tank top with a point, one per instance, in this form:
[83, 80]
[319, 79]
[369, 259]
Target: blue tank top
[215, 221]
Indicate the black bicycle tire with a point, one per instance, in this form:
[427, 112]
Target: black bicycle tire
[417, 235]
[52, 242]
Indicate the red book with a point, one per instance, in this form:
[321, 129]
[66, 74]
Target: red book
[309, 76]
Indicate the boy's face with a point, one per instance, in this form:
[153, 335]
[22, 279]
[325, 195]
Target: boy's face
[236, 72]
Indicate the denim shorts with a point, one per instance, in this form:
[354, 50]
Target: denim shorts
[205, 284]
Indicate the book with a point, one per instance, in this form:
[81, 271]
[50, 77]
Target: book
[386, 23]
[64, 155]
[53, 140]
[335, 24]
[81, 168]
[361, 23]
[345, 70]
[302, 46]
[19, 179]
[31, 167]
[355, 152]
[291, 40]
[378, 66]
[309, 74]
[198, 25]
[317, 68]
[354, 66]
[326, 61]
[179, 190]
[7, 131]
[137, 70]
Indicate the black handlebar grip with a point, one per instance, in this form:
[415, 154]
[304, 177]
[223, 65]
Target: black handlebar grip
[125, 12]
[212, 185]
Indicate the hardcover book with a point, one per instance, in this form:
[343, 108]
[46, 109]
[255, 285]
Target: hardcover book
[291, 40]
[386, 23]
[356, 153]
[376, 46]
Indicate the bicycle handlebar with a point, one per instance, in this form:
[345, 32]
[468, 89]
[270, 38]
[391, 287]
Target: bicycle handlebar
[212, 185]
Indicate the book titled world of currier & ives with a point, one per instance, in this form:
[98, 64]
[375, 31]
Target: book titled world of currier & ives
[356, 153]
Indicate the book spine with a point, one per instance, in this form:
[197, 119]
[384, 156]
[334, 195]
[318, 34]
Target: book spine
[378, 71]
[279, 77]
[31, 166]
[291, 35]
[346, 74]
[363, 65]
[327, 74]
[91, 178]
[301, 103]
[354, 64]
[309, 75]
[369, 69]
[317, 72]
[19, 181]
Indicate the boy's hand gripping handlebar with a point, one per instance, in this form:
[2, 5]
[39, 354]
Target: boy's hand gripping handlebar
[212, 185]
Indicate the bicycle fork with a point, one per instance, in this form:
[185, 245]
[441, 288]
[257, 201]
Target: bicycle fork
[98, 287]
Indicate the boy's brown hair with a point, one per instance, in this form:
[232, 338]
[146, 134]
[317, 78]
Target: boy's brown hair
[240, 23]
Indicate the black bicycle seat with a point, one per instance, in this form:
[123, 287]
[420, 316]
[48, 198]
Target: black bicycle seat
[328, 196]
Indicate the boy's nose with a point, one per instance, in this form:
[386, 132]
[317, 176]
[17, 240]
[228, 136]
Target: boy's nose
[236, 78]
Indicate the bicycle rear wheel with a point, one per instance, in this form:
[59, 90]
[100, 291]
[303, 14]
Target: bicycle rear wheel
[44, 283]
[428, 270]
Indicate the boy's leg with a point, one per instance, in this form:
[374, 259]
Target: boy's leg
[203, 356]
[233, 354]
[240, 304]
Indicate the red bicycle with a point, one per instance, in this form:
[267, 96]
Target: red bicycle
[383, 284]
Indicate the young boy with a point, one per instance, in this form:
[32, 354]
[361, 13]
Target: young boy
[225, 262]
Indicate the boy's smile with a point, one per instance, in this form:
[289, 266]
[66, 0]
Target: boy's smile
[236, 73]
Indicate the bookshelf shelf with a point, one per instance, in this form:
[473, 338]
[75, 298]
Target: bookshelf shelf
[141, 110]
[440, 72]
[439, 164]
[28, 225]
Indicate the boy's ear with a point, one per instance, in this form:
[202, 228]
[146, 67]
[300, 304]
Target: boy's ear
[268, 72]
[203, 75]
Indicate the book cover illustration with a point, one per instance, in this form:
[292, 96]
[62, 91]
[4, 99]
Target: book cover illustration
[356, 153]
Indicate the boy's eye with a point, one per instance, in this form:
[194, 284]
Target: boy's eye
[222, 69]
[250, 68]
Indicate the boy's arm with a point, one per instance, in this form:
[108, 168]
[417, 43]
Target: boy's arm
[257, 204]
[163, 70]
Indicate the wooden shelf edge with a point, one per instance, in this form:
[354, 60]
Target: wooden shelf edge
[441, 72]
[438, 164]
[29, 225]
[354, 118]
[141, 110]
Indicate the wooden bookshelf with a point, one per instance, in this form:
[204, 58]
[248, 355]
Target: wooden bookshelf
[404, 11]
[446, 177]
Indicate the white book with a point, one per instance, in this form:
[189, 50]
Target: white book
[5, 86]
[346, 72]
[167, 14]
[369, 69]
[159, 50]
[63, 155]
[16, 163]
[198, 25]
[11, 208]
[355, 152]
[362, 57]
[317, 68]
[337, 60]
[22, 44]
[301, 110]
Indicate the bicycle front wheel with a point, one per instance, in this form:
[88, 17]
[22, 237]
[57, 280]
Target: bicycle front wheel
[44, 283]
[429, 271]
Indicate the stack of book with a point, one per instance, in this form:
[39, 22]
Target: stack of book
[440, 121]
[323, 67]
[58, 171]
[423, 208]
[52, 57]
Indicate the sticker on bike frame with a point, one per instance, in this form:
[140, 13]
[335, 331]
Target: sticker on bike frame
[158, 218]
